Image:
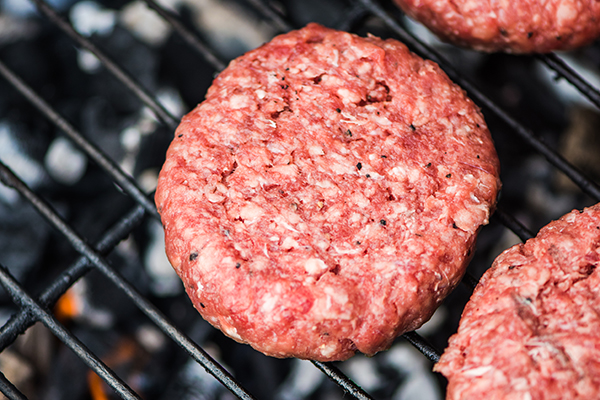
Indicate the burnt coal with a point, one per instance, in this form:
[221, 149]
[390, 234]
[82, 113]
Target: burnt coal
[110, 116]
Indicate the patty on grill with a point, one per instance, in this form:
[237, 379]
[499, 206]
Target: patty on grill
[521, 26]
[326, 195]
[532, 327]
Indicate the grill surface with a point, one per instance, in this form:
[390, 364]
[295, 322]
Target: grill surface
[518, 136]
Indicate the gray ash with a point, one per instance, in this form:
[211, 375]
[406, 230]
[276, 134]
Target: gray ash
[110, 116]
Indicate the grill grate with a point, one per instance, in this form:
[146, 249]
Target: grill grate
[32, 310]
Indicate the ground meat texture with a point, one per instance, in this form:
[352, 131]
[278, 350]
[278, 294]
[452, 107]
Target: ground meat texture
[521, 26]
[326, 195]
[532, 328]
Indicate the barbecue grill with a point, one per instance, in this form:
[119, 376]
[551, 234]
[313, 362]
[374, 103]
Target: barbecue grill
[97, 217]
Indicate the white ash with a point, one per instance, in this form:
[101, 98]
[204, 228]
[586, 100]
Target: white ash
[87, 61]
[148, 179]
[363, 371]
[170, 99]
[88, 313]
[13, 29]
[434, 323]
[17, 369]
[150, 337]
[507, 240]
[144, 23]
[131, 137]
[418, 387]
[303, 379]
[419, 382]
[64, 162]
[192, 382]
[228, 27]
[424, 34]
[26, 168]
[90, 18]
[18, 8]
[539, 195]
[165, 281]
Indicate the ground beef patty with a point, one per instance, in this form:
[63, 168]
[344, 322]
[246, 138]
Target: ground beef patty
[325, 196]
[532, 328]
[521, 26]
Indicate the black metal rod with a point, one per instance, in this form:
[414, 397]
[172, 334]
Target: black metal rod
[9, 390]
[562, 68]
[342, 380]
[514, 225]
[267, 11]
[126, 182]
[24, 300]
[587, 186]
[195, 351]
[469, 280]
[423, 345]
[115, 69]
[20, 321]
[188, 36]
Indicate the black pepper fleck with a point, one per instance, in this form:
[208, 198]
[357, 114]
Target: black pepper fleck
[383, 156]
[412, 127]
[359, 166]
[338, 110]
[202, 305]
[511, 267]
[428, 165]
[368, 176]
[349, 132]
[193, 255]
[237, 265]
[449, 176]
[358, 242]
[529, 35]
[180, 135]
[383, 222]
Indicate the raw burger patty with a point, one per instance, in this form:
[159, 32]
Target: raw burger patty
[519, 26]
[326, 195]
[532, 328]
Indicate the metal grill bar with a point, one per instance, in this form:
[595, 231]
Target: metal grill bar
[24, 300]
[514, 225]
[20, 321]
[126, 182]
[187, 35]
[423, 345]
[330, 370]
[342, 380]
[196, 352]
[9, 390]
[280, 23]
[117, 71]
[586, 185]
[557, 64]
